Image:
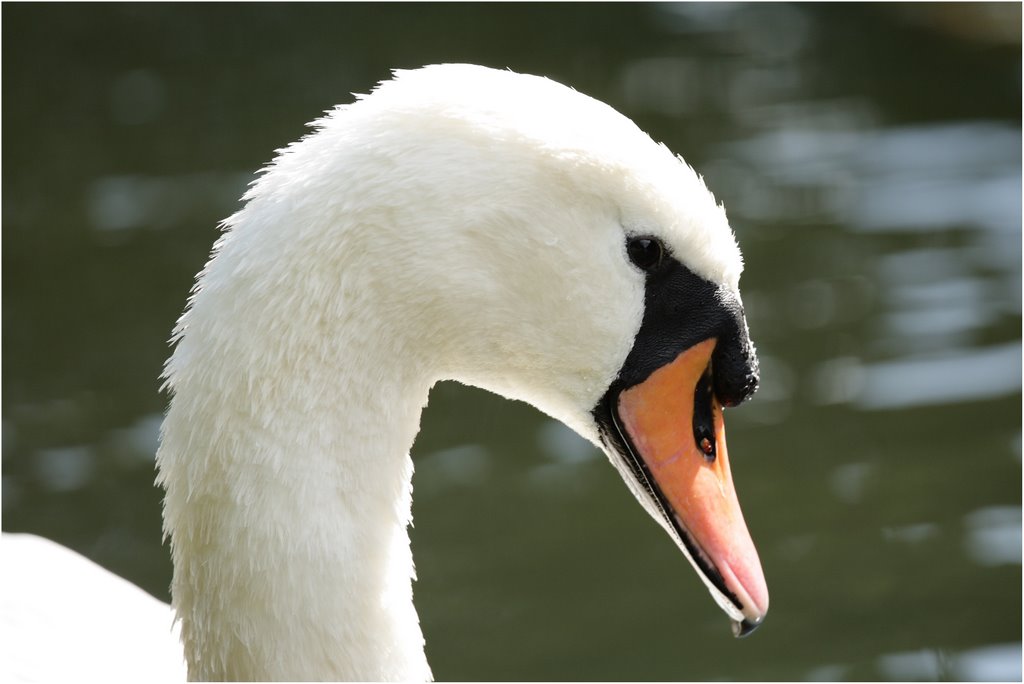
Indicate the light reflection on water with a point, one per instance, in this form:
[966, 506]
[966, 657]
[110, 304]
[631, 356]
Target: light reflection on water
[849, 479]
[466, 465]
[998, 662]
[133, 202]
[65, 469]
[883, 289]
[994, 535]
[926, 178]
[983, 373]
[909, 178]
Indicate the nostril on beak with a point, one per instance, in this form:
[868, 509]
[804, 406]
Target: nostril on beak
[704, 416]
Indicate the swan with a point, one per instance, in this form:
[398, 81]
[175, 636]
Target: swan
[64, 618]
[464, 223]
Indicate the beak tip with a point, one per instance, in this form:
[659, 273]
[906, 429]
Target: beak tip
[745, 627]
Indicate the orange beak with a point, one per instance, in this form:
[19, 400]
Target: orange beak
[675, 424]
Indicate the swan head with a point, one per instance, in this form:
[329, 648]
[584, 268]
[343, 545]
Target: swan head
[513, 234]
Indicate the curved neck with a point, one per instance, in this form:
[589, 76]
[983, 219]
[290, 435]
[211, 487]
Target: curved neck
[285, 460]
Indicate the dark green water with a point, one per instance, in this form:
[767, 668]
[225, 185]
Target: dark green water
[870, 161]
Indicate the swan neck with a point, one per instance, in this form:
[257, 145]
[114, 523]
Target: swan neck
[288, 484]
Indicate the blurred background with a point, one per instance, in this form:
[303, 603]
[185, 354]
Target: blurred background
[869, 158]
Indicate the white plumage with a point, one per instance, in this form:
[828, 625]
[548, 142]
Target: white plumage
[65, 619]
[459, 222]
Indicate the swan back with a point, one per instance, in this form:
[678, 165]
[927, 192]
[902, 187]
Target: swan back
[64, 618]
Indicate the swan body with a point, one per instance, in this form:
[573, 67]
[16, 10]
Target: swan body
[457, 223]
[65, 619]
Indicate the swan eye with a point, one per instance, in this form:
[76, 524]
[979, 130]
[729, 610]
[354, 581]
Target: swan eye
[645, 252]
